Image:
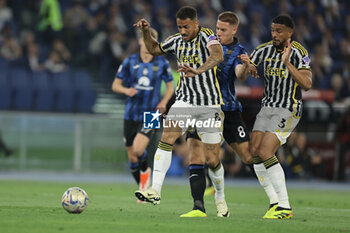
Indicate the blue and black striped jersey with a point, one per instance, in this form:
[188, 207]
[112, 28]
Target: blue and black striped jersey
[227, 76]
[147, 79]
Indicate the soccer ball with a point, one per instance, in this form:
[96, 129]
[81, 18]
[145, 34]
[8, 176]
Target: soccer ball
[75, 200]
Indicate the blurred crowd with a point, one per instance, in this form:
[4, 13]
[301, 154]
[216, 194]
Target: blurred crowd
[100, 33]
[54, 35]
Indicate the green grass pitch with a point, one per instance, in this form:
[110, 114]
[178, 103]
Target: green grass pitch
[34, 207]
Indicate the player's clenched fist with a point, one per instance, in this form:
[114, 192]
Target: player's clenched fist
[244, 58]
[142, 24]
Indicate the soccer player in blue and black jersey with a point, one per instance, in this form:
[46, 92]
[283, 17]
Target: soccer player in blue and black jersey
[235, 66]
[139, 77]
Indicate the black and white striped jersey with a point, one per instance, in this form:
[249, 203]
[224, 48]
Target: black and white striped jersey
[202, 89]
[280, 88]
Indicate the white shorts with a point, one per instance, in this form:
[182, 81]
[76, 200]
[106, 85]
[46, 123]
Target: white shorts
[208, 120]
[279, 121]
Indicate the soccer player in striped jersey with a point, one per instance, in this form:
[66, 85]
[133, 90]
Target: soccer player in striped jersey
[197, 95]
[286, 71]
[235, 66]
[139, 77]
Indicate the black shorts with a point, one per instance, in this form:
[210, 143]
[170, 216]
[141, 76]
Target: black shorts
[131, 128]
[234, 129]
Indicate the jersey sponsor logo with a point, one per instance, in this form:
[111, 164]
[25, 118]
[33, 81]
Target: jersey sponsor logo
[144, 84]
[279, 72]
[190, 59]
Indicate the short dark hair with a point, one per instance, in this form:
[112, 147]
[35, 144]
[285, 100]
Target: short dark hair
[229, 17]
[285, 20]
[186, 12]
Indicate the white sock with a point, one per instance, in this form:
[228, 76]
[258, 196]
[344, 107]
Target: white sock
[161, 164]
[265, 182]
[217, 177]
[276, 176]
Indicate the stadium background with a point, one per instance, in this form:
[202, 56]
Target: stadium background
[57, 65]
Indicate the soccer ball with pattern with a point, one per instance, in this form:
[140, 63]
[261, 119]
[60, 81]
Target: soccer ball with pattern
[75, 200]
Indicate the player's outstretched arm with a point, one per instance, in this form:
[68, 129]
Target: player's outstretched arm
[302, 77]
[216, 56]
[152, 44]
[118, 87]
[242, 70]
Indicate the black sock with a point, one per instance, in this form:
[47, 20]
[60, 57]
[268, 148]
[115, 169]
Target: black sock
[197, 182]
[135, 171]
[143, 162]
